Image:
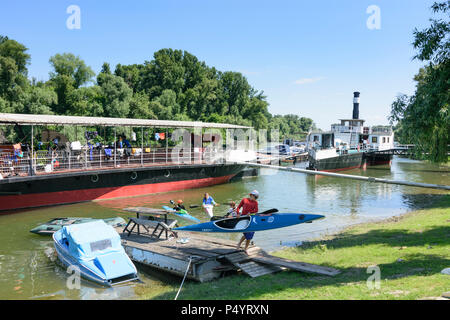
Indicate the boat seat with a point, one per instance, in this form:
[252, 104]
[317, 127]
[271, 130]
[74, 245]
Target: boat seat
[157, 225]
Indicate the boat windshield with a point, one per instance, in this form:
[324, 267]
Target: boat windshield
[100, 245]
[234, 223]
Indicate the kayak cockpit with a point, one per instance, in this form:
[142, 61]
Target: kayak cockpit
[240, 223]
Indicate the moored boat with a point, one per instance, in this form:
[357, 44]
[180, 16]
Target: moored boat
[56, 224]
[250, 223]
[76, 172]
[95, 249]
[350, 144]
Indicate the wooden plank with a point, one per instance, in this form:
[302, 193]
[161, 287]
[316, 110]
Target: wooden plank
[145, 210]
[198, 252]
[295, 265]
[237, 257]
[254, 269]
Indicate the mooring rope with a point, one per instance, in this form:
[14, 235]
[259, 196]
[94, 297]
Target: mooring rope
[185, 274]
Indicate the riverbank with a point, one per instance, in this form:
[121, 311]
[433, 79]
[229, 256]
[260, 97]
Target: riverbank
[410, 250]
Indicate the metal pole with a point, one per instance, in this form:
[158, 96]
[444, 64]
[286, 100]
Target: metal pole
[167, 143]
[32, 150]
[348, 176]
[115, 147]
[142, 146]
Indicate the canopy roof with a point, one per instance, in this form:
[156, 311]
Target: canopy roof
[41, 119]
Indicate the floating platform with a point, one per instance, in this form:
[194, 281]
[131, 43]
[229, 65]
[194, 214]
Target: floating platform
[210, 257]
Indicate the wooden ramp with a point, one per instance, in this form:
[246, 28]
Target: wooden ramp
[254, 269]
[258, 255]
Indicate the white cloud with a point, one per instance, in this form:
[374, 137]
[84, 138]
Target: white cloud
[308, 80]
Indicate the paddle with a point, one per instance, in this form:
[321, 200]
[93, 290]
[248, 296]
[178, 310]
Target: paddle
[214, 218]
[268, 211]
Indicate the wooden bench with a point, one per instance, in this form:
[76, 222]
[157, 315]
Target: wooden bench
[157, 225]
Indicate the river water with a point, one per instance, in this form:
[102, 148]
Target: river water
[28, 269]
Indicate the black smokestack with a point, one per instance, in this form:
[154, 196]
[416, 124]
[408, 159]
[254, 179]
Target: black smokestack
[355, 105]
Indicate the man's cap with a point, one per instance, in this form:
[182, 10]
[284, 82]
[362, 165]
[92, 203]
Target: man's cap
[255, 193]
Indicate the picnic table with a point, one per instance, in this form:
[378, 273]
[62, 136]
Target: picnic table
[159, 221]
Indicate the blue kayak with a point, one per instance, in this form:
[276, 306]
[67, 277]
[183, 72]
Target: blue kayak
[252, 223]
[182, 214]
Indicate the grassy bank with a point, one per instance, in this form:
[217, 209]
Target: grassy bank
[410, 251]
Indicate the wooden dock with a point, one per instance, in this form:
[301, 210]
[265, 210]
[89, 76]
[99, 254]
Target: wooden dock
[210, 257]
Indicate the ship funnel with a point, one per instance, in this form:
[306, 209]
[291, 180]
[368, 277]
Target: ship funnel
[355, 105]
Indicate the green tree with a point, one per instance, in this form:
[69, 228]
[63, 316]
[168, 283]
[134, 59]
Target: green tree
[424, 117]
[13, 71]
[67, 64]
[115, 95]
[69, 73]
[140, 107]
[16, 51]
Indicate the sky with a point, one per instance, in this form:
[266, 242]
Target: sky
[307, 56]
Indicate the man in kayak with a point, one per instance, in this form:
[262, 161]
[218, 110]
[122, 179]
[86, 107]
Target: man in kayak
[179, 206]
[208, 204]
[249, 205]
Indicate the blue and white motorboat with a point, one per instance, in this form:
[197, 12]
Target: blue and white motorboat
[96, 249]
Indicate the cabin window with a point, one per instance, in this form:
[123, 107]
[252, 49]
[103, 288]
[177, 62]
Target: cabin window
[316, 138]
[101, 245]
[374, 140]
[388, 140]
[384, 139]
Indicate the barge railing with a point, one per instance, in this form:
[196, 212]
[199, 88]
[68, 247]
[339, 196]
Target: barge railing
[45, 162]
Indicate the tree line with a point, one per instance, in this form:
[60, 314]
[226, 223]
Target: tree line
[423, 118]
[174, 85]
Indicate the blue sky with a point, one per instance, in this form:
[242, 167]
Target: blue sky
[307, 56]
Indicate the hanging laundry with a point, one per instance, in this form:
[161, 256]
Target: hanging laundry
[162, 136]
[156, 136]
[133, 136]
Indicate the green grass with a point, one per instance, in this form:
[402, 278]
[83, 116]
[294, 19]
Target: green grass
[410, 251]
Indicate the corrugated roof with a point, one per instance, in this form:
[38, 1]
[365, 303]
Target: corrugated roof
[40, 119]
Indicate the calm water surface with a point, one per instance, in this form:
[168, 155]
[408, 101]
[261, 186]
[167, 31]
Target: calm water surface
[28, 269]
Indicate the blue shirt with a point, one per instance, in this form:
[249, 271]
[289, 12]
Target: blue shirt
[210, 200]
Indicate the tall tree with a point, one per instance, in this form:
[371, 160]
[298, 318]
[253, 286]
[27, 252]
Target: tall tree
[69, 73]
[425, 117]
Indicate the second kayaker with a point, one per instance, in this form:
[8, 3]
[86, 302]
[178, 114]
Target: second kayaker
[208, 204]
[249, 205]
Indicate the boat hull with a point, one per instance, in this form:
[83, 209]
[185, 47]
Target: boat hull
[52, 226]
[342, 162]
[72, 187]
[67, 260]
[349, 161]
[254, 223]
